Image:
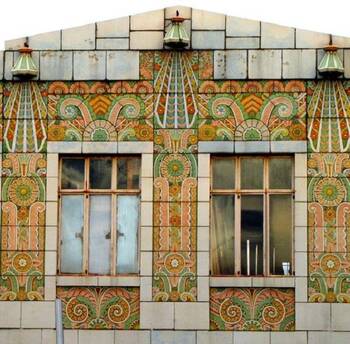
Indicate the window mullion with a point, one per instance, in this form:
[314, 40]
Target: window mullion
[86, 219]
[114, 235]
[266, 244]
[238, 218]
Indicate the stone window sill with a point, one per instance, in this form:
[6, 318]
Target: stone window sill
[103, 281]
[278, 282]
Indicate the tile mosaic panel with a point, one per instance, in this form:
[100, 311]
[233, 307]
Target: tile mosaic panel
[100, 307]
[174, 276]
[252, 309]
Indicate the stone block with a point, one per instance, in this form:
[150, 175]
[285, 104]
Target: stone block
[8, 64]
[50, 288]
[230, 281]
[96, 336]
[312, 316]
[203, 189]
[289, 337]
[146, 289]
[341, 42]
[300, 162]
[56, 65]
[51, 213]
[216, 147]
[310, 39]
[146, 214]
[153, 20]
[100, 147]
[208, 39]
[300, 235]
[214, 337]
[46, 41]
[112, 43]
[47, 336]
[173, 337]
[203, 238]
[300, 214]
[252, 146]
[52, 189]
[276, 36]
[113, 28]
[288, 146]
[89, 65]
[264, 64]
[146, 40]
[52, 165]
[219, 64]
[146, 238]
[15, 44]
[242, 27]
[123, 65]
[300, 189]
[147, 189]
[76, 38]
[64, 147]
[203, 165]
[203, 263]
[299, 64]
[236, 64]
[203, 288]
[273, 282]
[70, 336]
[320, 337]
[251, 337]
[135, 147]
[300, 264]
[21, 337]
[147, 165]
[156, 315]
[192, 315]
[347, 63]
[51, 239]
[10, 315]
[203, 20]
[39, 314]
[146, 263]
[340, 315]
[301, 289]
[184, 11]
[242, 42]
[132, 337]
[203, 213]
[1, 64]
[50, 263]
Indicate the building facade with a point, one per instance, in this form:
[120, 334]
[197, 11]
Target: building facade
[169, 195]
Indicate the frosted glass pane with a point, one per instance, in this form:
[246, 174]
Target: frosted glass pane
[222, 235]
[100, 234]
[128, 223]
[280, 173]
[72, 220]
[72, 174]
[280, 233]
[252, 222]
[223, 173]
[100, 173]
[252, 173]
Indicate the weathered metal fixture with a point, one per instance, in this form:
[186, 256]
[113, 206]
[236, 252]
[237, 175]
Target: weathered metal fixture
[25, 67]
[177, 37]
[331, 66]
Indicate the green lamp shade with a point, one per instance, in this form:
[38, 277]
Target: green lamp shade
[177, 36]
[331, 64]
[25, 66]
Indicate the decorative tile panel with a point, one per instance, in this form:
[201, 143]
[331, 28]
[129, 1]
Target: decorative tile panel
[252, 309]
[100, 307]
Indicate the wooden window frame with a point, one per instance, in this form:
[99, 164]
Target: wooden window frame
[237, 192]
[114, 192]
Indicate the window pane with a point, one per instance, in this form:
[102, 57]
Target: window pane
[252, 174]
[72, 174]
[128, 173]
[223, 173]
[100, 234]
[128, 223]
[252, 222]
[280, 233]
[100, 173]
[280, 173]
[222, 235]
[72, 220]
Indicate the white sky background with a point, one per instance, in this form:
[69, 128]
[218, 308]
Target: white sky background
[28, 17]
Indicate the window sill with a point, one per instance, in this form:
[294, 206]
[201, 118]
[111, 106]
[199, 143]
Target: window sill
[277, 282]
[102, 281]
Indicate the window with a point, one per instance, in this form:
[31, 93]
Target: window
[251, 215]
[99, 215]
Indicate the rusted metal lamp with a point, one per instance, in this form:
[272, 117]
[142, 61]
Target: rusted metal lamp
[177, 37]
[25, 67]
[331, 65]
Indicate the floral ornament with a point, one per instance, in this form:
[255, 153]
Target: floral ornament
[174, 263]
[144, 132]
[56, 132]
[329, 192]
[230, 312]
[22, 262]
[175, 167]
[330, 264]
[23, 191]
[206, 132]
[297, 132]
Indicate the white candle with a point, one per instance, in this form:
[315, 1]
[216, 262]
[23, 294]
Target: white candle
[248, 258]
